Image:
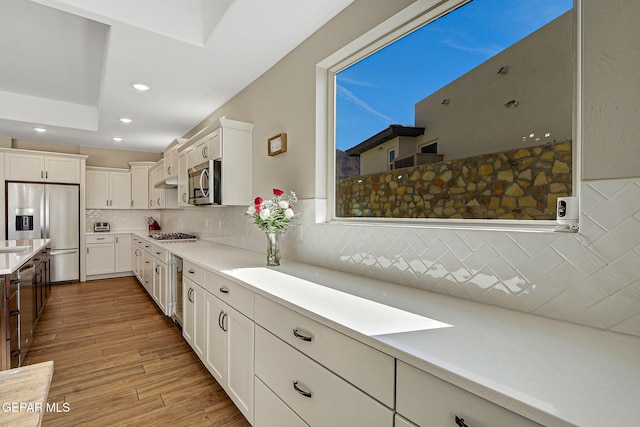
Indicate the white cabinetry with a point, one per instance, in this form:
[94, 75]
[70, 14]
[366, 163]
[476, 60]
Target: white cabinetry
[323, 386]
[183, 176]
[429, 401]
[151, 267]
[230, 339]
[140, 185]
[229, 141]
[107, 188]
[161, 195]
[22, 165]
[108, 253]
[225, 339]
[194, 325]
[122, 252]
[100, 257]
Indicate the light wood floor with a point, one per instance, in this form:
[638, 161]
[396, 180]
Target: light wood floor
[118, 361]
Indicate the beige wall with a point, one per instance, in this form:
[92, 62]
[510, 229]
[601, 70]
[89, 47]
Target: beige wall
[105, 157]
[611, 124]
[540, 79]
[283, 100]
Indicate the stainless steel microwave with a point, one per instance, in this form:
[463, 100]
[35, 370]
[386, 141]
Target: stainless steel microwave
[204, 183]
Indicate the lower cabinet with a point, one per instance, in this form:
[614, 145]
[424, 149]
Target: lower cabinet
[100, 254]
[108, 253]
[429, 401]
[229, 352]
[270, 411]
[194, 321]
[149, 263]
[317, 395]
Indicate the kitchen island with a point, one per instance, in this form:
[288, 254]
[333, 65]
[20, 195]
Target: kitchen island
[551, 372]
[25, 289]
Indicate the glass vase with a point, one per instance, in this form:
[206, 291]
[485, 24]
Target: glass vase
[273, 249]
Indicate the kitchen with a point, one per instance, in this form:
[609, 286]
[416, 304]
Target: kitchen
[566, 269]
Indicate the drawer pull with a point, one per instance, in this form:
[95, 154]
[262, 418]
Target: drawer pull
[460, 422]
[220, 319]
[192, 271]
[302, 337]
[224, 289]
[301, 391]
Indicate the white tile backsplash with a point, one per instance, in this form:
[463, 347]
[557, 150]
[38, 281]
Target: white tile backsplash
[591, 278]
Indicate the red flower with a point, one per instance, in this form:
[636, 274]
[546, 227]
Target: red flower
[258, 201]
[278, 192]
[258, 208]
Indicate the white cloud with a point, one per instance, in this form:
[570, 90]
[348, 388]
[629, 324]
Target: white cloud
[349, 96]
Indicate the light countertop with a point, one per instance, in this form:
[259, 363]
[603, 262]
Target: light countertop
[29, 386]
[11, 261]
[552, 372]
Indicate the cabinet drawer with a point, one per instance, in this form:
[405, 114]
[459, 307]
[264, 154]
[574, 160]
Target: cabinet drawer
[158, 253]
[367, 368]
[193, 272]
[429, 401]
[237, 296]
[329, 400]
[100, 238]
[270, 411]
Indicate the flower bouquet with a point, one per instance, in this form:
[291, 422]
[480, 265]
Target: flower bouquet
[272, 217]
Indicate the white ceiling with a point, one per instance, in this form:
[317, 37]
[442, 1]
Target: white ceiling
[68, 65]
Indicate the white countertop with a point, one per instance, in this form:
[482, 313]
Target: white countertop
[10, 262]
[550, 371]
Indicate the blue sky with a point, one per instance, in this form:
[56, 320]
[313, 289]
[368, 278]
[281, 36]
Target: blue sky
[383, 88]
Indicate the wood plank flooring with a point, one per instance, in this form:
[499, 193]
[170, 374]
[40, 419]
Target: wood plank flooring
[119, 361]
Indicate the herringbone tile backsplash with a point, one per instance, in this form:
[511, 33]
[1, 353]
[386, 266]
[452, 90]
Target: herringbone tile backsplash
[591, 278]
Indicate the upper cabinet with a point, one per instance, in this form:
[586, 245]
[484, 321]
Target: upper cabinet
[140, 184]
[170, 157]
[229, 141]
[22, 165]
[107, 188]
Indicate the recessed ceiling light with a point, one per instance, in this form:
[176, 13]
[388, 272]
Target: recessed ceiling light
[41, 130]
[125, 120]
[117, 139]
[141, 87]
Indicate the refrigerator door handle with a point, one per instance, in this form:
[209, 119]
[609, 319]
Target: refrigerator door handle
[62, 251]
[46, 200]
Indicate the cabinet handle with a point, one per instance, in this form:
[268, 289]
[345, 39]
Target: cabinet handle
[220, 320]
[205, 153]
[146, 246]
[191, 271]
[158, 201]
[87, 251]
[41, 174]
[224, 289]
[302, 337]
[224, 325]
[184, 197]
[132, 203]
[147, 262]
[158, 253]
[157, 272]
[460, 422]
[151, 202]
[99, 238]
[169, 170]
[302, 392]
[116, 239]
[46, 175]
[190, 295]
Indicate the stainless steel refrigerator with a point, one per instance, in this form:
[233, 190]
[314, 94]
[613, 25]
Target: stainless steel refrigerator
[48, 211]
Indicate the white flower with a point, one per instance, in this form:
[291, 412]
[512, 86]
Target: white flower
[264, 213]
[288, 213]
[283, 204]
[251, 210]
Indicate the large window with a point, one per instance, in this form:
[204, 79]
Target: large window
[492, 82]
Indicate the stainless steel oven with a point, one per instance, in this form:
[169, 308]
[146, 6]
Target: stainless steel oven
[204, 183]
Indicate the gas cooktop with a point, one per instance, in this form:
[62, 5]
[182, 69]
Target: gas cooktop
[172, 237]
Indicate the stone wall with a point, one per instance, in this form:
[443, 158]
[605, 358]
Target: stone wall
[515, 184]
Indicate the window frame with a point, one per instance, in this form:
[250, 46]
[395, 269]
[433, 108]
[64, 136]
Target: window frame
[404, 22]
